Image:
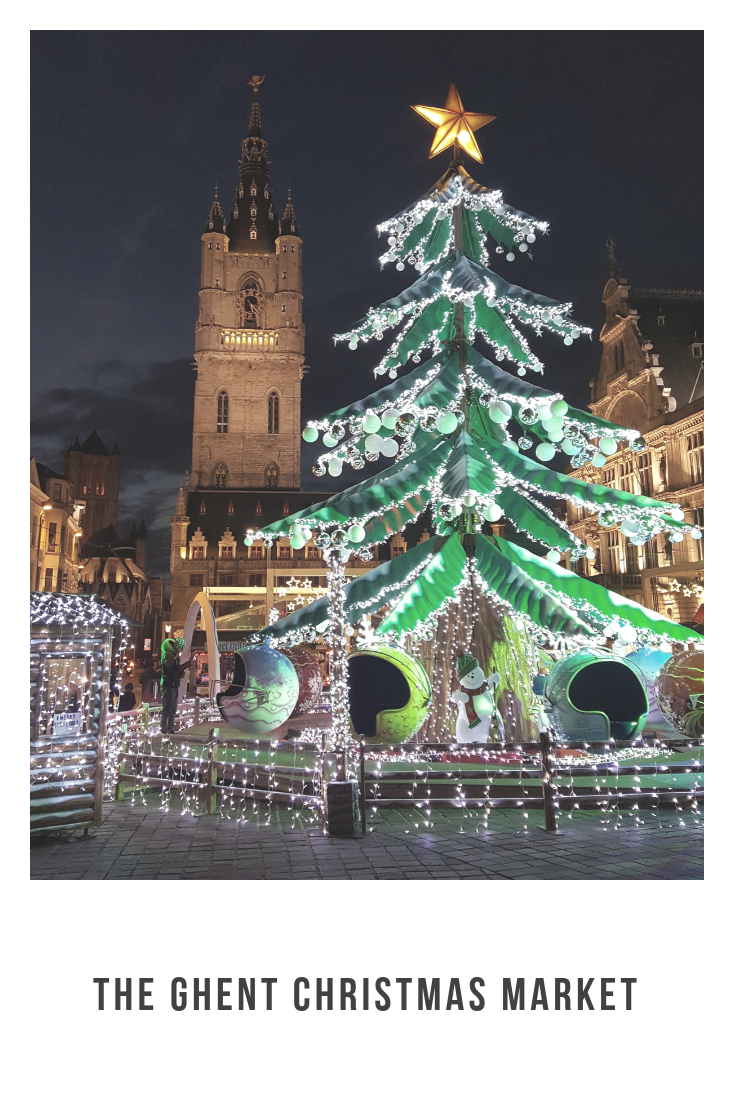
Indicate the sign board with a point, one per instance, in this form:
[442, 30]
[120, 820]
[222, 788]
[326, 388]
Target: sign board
[67, 724]
[146, 644]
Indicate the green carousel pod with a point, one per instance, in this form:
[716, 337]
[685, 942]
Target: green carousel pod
[389, 694]
[593, 695]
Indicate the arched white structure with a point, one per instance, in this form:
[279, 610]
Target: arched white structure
[201, 602]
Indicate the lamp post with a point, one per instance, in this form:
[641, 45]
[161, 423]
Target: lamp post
[38, 548]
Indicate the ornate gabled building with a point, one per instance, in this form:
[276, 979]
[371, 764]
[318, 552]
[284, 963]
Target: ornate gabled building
[113, 568]
[246, 441]
[651, 378]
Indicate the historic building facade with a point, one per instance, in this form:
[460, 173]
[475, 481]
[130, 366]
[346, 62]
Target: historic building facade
[114, 568]
[651, 378]
[94, 472]
[56, 531]
[246, 440]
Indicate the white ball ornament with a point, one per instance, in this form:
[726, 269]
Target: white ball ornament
[553, 555]
[696, 533]
[676, 537]
[590, 554]
[455, 509]
[545, 452]
[352, 345]
[574, 334]
[553, 424]
[555, 435]
[446, 422]
[630, 528]
[543, 412]
[248, 541]
[598, 460]
[521, 371]
[530, 237]
[392, 240]
[568, 341]
[558, 407]
[511, 444]
[371, 422]
[510, 256]
[335, 467]
[608, 445]
[389, 417]
[297, 541]
[373, 444]
[356, 534]
[492, 513]
[389, 447]
[400, 266]
[523, 247]
[329, 441]
[500, 412]
[569, 447]
[676, 514]
[627, 634]
[310, 434]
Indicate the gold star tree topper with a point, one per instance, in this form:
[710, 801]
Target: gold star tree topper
[454, 124]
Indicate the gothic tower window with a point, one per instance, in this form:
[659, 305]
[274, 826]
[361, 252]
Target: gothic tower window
[231, 508]
[273, 413]
[250, 301]
[223, 408]
[202, 507]
[258, 510]
[271, 477]
[220, 476]
[253, 189]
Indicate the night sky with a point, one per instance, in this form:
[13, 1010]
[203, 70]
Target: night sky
[598, 133]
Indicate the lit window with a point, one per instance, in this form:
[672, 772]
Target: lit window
[220, 476]
[253, 189]
[202, 507]
[253, 234]
[223, 407]
[258, 509]
[227, 551]
[231, 508]
[695, 457]
[273, 413]
[197, 552]
[271, 477]
[286, 509]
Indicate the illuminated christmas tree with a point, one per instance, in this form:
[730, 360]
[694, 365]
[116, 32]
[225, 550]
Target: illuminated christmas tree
[470, 437]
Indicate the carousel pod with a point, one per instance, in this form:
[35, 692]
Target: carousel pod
[593, 696]
[680, 692]
[389, 694]
[309, 674]
[264, 690]
[648, 661]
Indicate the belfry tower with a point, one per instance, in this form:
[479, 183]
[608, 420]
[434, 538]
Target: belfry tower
[249, 336]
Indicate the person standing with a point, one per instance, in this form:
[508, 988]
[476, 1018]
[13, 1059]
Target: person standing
[172, 670]
[126, 703]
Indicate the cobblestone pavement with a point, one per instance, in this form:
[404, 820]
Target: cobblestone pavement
[143, 843]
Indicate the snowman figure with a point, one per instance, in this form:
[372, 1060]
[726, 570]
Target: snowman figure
[475, 700]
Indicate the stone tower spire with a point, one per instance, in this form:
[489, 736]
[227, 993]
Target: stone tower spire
[179, 529]
[216, 219]
[253, 226]
[289, 226]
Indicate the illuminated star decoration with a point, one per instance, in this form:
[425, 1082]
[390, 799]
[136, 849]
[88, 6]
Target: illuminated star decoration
[454, 124]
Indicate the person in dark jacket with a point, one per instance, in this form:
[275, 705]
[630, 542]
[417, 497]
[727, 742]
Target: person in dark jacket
[126, 702]
[172, 670]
